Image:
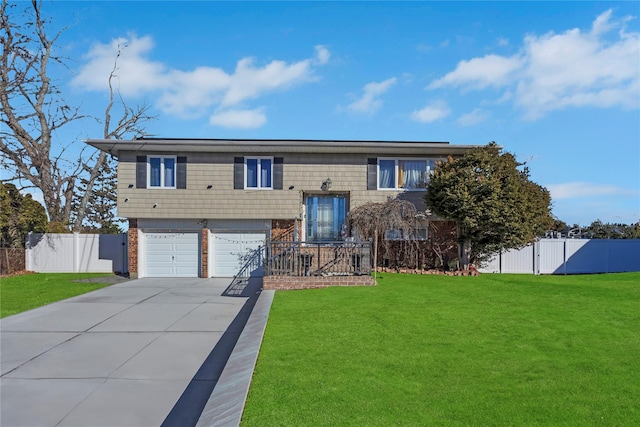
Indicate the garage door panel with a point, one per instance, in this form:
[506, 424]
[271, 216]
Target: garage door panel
[159, 246]
[226, 255]
[163, 270]
[158, 258]
[186, 271]
[171, 254]
[184, 247]
[231, 250]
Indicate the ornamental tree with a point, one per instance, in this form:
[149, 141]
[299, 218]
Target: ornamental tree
[371, 220]
[490, 196]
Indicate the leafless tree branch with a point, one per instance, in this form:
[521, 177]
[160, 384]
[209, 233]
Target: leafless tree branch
[129, 123]
[32, 109]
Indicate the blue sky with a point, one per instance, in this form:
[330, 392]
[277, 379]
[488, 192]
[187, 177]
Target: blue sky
[555, 83]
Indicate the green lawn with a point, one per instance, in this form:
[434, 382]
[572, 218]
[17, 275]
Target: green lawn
[21, 293]
[438, 350]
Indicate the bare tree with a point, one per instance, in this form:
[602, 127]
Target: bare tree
[32, 109]
[130, 123]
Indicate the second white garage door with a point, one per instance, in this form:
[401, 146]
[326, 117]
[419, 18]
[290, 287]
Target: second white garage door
[171, 254]
[232, 250]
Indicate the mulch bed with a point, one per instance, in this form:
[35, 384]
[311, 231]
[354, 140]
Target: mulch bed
[18, 273]
[470, 272]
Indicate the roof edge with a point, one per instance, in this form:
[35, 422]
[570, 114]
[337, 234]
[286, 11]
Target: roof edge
[115, 146]
[288, 140]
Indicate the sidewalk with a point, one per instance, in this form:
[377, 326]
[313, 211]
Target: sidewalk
[125, 355]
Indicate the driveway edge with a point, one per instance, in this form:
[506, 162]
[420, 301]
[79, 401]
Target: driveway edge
[226, 403]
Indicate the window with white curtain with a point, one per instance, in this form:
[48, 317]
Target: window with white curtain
[161, 172]
[325, 216]
[404, 174]
[258, 172]
[386, 174]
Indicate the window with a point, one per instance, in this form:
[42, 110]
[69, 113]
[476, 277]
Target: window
[407, 174]
[161, 172]
[420, 232]
[258, 172]
[325, 217]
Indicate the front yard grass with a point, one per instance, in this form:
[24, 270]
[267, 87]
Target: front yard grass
[24, 292]
[438, 350]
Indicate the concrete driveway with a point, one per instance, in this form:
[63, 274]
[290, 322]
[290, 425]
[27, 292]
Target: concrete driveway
[139, 353]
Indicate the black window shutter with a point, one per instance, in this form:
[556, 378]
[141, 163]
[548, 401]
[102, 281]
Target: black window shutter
[238, 173]
[277, 173]
[181, 173]
[141, 171]
[372, 173]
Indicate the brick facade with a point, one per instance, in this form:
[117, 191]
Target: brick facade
[281, 227]
[204, 250]
[133, 248]
[280, 283]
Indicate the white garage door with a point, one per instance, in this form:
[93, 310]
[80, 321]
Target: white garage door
[171, 255]
[231, 251]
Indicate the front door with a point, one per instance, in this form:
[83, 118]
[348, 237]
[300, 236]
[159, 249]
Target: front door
[326, 216]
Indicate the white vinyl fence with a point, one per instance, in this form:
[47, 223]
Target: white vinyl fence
[77, 253]
[569, 256]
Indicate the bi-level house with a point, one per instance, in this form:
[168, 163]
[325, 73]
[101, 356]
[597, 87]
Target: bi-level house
[194, 204]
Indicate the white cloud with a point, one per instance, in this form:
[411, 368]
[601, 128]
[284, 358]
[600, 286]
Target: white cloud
[430, 113]
[322, 54]
[250, 82]
[556, 71]
[578, 190]
[369, 102]
[576, 69]
[191, 93]
[602, 23]
[478, 115]
[239, 119]
[135, 73]
[479, 73]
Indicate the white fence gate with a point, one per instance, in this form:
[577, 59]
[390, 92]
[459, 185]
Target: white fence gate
[77, 253]
[569, 256]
